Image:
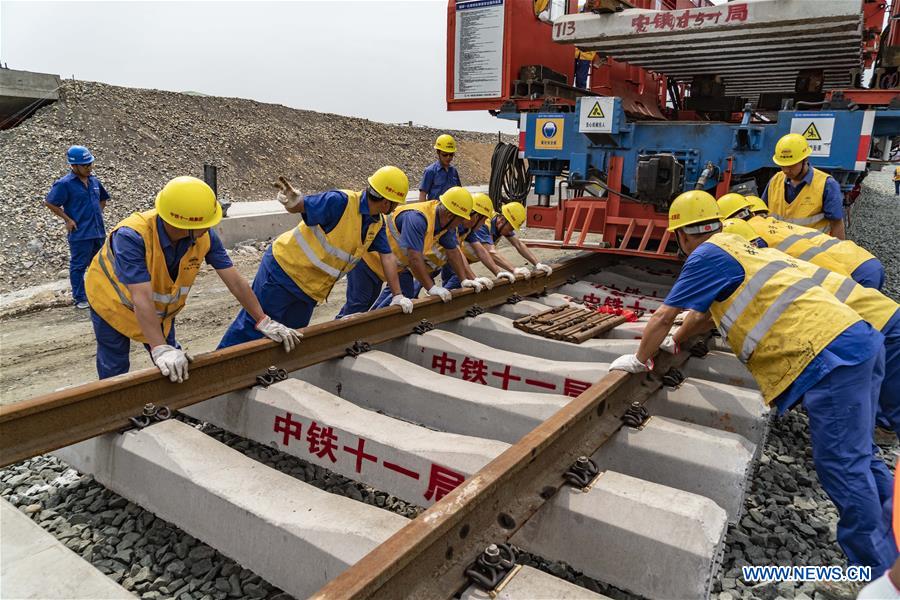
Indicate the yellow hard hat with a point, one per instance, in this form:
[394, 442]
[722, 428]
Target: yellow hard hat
[791, 149]
[482, 204]
[729, 204]
[739, 227]
[458, 201]
[514, 212]
[445, 143]
[757, 205]
[188, 203]
[693, 207]
[391, 183]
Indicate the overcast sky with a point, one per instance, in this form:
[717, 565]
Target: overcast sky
[379, 59]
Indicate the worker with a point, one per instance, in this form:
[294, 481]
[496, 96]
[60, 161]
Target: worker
[897, 181]
[422, 236]
[474, 236]
[440, 175]
[505, 225]
[79, 199]
[801, 194]
[878, 310]
[583, 62]
[140, 279]
[801, 345]
[757, 206]
[841, 256]
[338, 228]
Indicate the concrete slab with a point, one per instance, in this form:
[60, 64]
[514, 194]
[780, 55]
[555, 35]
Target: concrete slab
[716, 405]
[704, 461]
[656, 272]
[292, 534]
[640, 536]
[499, 332]
[527, 583]
[595, 293]
[300, 419]
[457, 356]
[623, 283]
[30, 554]
[386, 383]
[23, 92]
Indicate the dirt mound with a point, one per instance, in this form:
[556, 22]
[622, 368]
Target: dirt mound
[143, 138]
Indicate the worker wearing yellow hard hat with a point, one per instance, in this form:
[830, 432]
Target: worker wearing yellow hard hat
[841, 256]
[801, 194]
[470, 238]
[801, 345]
[421, 236]
[303, 264]
[504, 225]
[140, 279]
[440, 175]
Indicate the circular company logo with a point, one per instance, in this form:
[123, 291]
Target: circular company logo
[549, 129]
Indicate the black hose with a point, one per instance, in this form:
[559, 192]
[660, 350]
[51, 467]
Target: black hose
[510, 179]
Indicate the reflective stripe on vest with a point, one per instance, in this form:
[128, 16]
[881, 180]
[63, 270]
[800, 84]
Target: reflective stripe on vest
[793, 239]
[740, 304]
[799, 211]
[772, 314]
[310, 254]
[805, 221]
[845, 290]
[809, 254]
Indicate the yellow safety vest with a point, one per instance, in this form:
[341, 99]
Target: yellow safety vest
[584, 55]
[806, 209]
[316, 260]
[778, 320]
[111, 299]
[896, 173]
[433, 253]
[840, 256]
[870, 304]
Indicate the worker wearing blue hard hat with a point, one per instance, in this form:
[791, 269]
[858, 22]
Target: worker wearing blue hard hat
[141, 278]
[801, 194]
[78, 198]
[302, 266]
[801, 345]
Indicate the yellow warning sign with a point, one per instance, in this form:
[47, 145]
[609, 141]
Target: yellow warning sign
[811, 133]
[596, 112]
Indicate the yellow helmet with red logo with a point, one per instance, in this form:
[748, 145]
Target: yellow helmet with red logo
[391, 183]
[458, 201]
[188, 203]
[693, 208]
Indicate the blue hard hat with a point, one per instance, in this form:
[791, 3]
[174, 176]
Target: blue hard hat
[79, 155]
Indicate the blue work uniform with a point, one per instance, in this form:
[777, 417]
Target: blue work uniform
[449, 278]
[411, 224]
[870, 274]
[130, 265]
[889, 400]
[832, 196]
[839, 390]
[82, 204]
[436, 180]
[280, 297]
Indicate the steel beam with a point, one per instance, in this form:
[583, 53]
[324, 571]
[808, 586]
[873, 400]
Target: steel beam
[428, 557]
[58, 419]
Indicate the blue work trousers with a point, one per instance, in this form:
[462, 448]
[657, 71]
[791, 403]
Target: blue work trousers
[409, 287]
[113, 347]
[363, 287]
[870, 274]
[449, 278]
[582, 68]
[81, 254]
[841, 409]
[889, 400]
[288, 306]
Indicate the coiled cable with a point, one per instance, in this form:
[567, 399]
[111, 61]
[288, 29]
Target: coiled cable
[510, 179]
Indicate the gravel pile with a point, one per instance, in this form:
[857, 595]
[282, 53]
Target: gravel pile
[143, 138]
[874, 219]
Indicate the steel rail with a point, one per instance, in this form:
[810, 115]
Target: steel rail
[45, 423]
[427, 559]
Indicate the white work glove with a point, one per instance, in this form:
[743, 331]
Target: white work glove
[471, 283]
[523, 271]
[487, 282]
[443, 292]
[670, 345]
[280, 333]
[172, 362]
[287, 194]
[543, 269]
[631, 364]
[507, 275]
[403, 302]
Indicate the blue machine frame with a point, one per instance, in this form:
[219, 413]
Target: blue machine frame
[555, 141]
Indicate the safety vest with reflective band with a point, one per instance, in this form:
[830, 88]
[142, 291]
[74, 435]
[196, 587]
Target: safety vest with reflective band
[433, 253]
[806, 209]
[873, 306]
[111, 299]
[584, 54]
[840, 256]
[896, 173]
[316, 260]
[779, 319]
